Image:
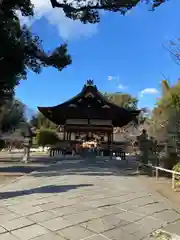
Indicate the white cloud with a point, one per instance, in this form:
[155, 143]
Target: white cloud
[66, 27]
[110, 78]
[113, 78]
[122, 87]
[152, 91]
[116, 79]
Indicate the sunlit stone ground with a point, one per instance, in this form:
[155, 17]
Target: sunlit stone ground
[75, 200]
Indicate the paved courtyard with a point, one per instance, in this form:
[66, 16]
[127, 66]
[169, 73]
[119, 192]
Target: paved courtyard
[72, 200]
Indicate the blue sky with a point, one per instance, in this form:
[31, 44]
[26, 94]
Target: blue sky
[122, 53]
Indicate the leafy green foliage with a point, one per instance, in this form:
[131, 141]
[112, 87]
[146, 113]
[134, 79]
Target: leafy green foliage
[170, 161]
[46, 137]
[165, 122]
[88, 11]
[40, 121]
[176, 167]
[2, 144]
[167, 112]
[123, 100]
[13, 113]
[20, 50]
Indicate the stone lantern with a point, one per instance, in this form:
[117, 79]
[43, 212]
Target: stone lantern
[28, 134]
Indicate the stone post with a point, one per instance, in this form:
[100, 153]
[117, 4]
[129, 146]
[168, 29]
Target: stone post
[143, 144]
[28, 134]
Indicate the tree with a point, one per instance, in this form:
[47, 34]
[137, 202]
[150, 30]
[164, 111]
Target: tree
[174, 49]
[12, 115]
[168, 107]
[131, 130]
[123, 100]
[40, 121]
[88, 11]
[165, 122]
[20, 50]
[46, 137]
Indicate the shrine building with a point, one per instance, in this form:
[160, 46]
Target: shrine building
[89, 114]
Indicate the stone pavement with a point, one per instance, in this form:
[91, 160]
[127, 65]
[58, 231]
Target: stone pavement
[75, 201]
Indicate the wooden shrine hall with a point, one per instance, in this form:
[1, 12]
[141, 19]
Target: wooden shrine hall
[89, 114]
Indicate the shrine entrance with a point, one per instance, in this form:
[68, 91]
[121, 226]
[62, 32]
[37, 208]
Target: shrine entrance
[91, 135]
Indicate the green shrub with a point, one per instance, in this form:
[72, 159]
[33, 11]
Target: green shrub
[171, 160]
[2, 144]
[46, 137]
[176, 168]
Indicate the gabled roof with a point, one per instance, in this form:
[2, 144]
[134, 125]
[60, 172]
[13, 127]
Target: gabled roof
[89, 103]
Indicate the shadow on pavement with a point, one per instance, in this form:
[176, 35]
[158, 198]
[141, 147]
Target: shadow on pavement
[33, 159]
[44, 189]
[20, 169]
[107, 168]
[74, 167]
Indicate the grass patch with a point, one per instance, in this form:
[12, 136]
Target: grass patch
[160, 235]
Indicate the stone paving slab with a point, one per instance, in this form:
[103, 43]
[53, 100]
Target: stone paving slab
[16, 223]
[173, 228]
[41, 216]
[8, 217]
[30, 232]
[72, 201]
[49, 236]
[76, 233]
[2, 230]
[8, 236]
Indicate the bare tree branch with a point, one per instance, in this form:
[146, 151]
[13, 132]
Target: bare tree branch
[174, 49]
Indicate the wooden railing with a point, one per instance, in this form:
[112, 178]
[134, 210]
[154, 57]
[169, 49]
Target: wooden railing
[155, 171]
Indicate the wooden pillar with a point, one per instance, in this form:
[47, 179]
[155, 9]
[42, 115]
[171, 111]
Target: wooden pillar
[87, 135]
[68, 134]
[50, 152]
[108, 136]
[110, 140]
[112, 137]
[65, 135]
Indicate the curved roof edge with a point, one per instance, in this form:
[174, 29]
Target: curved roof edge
[88, 87]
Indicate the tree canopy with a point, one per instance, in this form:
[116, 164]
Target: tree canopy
[166, 114]
[20, 50]
[40, 121]
[46, 137]
[12, 115]
[88, 11]
[124, 100]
